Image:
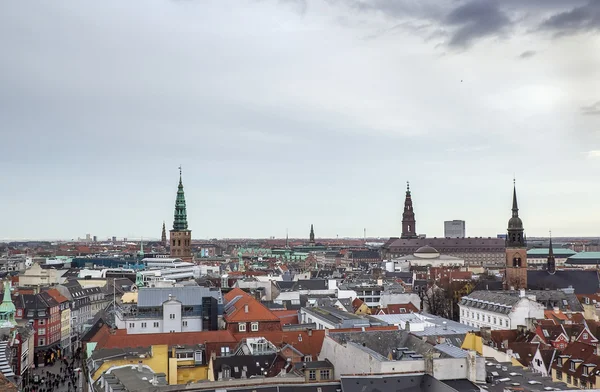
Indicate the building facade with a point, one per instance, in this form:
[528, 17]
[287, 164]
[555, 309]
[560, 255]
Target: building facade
[171, 309]
[474, 251]
[65, 319]
[454, 229]
[499, 309]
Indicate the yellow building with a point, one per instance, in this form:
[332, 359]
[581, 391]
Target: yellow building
[181, 364]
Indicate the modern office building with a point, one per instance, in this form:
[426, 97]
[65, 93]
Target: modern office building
[454, 229]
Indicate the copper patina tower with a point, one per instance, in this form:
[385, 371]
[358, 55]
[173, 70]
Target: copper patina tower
[180, 240]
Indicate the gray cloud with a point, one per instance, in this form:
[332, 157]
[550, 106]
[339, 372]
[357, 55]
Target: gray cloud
[591, 110]
[527, 54]
[581, 19]
[475, 20]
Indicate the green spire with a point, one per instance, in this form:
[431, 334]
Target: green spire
[180, 222]
[7, 308]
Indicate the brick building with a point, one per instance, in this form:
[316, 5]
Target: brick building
[44, 313]
[243, 313]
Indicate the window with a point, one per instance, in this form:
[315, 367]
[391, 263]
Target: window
[185, 323]
[308, 358]
[42, 322]
[325, 374]
[254, 327]
[143, 325]
[585, 335]
[156, 324]
[242, 327]
[42, 331]
[494, 320]
[131, 325]
[488, 318]
[41, 342]
[568, 379]
[312, 375]
[506, 322]
[172, 316]
[559, 375]
[572, 365]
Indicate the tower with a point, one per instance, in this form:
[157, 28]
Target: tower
[311, 238]
[516, 249]
[409, 229]
[163, 237]
[180, 239]
[551, 264]
[7, 308]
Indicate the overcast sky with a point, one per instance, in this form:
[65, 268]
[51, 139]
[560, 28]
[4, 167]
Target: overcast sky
[287, 113]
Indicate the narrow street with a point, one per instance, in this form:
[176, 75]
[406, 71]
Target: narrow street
[59, 377]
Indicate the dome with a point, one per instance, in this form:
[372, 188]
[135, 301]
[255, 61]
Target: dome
[427, 252]
[515, 223]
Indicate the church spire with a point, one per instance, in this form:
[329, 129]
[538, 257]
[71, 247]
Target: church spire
[7, 308]
[312, 235]
[515, 207]
[551, 260]
[163, 237]
[180, 240]
[180, 221]
[409, 229]
[515, 234]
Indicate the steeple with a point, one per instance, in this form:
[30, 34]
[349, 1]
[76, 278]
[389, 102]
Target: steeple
[515, 234]
[551, 260]
[180, 221]
[180, 240]
[163, 237]
[312, 235]
[516, 249]
[7, 308]
[409, 229]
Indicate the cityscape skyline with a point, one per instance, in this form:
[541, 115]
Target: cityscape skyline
[284, 114]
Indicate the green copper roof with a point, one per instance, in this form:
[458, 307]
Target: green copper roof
[180, 222]
[544, 252]
[7, 308]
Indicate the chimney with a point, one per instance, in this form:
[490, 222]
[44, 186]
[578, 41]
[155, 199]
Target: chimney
[140, 368]
[246, 308]
[522, 293]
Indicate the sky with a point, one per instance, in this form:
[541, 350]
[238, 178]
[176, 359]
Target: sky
[287, 113]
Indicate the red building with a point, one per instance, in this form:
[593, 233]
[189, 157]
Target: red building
[43, 313]
[245, 314]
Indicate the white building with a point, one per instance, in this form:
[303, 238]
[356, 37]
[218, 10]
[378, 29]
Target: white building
[454, 229]
[426, 255]
[171, 309]
[499, 309]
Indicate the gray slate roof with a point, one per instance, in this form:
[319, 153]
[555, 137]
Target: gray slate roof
[502, 301]
[188, 295]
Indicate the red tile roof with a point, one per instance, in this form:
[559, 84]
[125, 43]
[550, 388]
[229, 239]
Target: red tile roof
[400, 308]
[54, 293]
[121, 339]
[247, 308]
[286, 316]
[300, 340]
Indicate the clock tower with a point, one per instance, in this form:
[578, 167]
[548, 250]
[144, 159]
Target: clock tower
[516, 250]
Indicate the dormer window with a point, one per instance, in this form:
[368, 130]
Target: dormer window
[572, 365]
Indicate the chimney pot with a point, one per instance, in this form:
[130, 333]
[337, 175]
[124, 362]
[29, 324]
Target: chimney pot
[246, 308]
